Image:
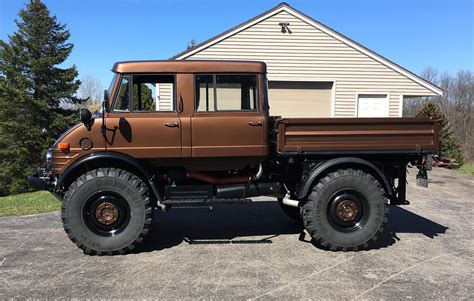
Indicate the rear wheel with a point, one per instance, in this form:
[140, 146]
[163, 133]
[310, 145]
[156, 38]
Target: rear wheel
[346, 210]
[106, 211]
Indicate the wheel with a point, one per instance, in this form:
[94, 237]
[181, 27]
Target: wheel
[292, 212]
[106, 211]
[346, 210]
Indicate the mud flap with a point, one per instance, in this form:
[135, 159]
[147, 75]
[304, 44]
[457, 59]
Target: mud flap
[422, 176]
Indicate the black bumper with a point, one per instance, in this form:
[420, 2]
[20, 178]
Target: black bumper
[42, 180]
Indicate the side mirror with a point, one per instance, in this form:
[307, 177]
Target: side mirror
[86, 118]
[106, 95]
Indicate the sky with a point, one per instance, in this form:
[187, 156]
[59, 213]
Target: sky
[413, 33]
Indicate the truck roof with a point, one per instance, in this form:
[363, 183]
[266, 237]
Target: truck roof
[193, 66]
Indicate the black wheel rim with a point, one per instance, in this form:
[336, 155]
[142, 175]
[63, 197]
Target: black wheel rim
[106, 213]
[348, 211]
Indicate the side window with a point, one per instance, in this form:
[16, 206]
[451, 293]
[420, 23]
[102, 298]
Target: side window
[122, 100]
[153, 93]
[204, 93]
[226, 92]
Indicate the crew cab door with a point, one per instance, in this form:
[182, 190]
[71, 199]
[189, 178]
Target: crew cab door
[226, 120]
[143, 121]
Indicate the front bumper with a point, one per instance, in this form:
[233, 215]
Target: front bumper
[42, 180]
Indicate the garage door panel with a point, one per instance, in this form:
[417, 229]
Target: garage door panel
[300, 99]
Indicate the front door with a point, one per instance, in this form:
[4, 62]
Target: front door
[226, 120]
[143, 122]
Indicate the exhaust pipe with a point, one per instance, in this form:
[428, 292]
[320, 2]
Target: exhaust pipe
[289, 202]
[250, 190]
[223, 181]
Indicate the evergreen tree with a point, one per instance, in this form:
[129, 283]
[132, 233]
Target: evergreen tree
[449, 145]
[32, 89]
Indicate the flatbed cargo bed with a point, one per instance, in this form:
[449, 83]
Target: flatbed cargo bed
[356, 135]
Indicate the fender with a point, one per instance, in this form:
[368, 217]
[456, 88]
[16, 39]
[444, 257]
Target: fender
[321, 168]
[145, 171]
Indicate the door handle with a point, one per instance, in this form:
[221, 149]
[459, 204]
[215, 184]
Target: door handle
[180, 104]
[172, 124]
[255, 123]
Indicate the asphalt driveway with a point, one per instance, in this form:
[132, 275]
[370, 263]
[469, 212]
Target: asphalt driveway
[255, 251]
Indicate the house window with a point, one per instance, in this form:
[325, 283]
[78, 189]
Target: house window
[226, 92]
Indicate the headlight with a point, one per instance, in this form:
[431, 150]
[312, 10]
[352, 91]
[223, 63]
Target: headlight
[49, 155]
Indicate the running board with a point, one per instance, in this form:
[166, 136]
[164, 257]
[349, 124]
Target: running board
[203, 202]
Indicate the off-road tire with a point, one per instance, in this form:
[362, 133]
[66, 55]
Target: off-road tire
[319, 221]
[292, 212]
[134, 194]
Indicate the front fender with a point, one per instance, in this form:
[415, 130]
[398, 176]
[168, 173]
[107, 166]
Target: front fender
[132, 164]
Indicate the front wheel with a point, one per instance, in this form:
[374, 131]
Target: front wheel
[106, 211]
[346, 210]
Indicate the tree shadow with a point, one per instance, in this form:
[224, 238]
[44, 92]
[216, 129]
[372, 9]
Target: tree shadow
[237, 224]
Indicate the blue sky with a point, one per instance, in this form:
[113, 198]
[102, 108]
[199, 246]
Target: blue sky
[413, 33]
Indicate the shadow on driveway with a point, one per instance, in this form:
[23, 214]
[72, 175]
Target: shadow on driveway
[237, 224]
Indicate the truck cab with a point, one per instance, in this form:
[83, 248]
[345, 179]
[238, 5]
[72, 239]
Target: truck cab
[198, 133]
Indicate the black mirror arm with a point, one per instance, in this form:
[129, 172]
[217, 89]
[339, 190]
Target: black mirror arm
[103, 127]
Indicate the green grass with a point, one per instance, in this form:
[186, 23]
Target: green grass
[467, 168]
[28, 203]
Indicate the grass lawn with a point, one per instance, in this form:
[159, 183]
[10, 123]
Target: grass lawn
[28, 203]
[467, 168]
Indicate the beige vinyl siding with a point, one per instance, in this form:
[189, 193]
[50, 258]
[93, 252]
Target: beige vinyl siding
[165, 94]
[308, 54]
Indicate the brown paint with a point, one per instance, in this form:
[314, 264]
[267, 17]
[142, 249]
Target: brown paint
[357, 134]
[226, 140]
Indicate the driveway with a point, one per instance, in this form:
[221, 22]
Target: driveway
[255, 251]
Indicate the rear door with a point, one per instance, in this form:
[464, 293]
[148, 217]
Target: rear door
[143, 122]
[227, 121]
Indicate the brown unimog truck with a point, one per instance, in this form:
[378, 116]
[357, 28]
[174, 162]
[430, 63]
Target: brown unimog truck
[190, 133]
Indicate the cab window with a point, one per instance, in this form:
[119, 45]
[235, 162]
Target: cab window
[225, 92]
[153, 93]
[122, 100]
[146, 93]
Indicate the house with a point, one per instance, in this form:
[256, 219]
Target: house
[314, 71]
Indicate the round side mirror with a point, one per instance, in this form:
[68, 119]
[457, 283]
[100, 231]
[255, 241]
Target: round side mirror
[86, 117]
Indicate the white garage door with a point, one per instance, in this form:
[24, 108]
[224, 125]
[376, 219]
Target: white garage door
[372, 105]
[300, 99]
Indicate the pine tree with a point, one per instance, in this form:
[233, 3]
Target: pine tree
[450, 147]
[33, 89]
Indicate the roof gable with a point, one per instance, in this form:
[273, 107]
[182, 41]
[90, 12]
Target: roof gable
[283, 7]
